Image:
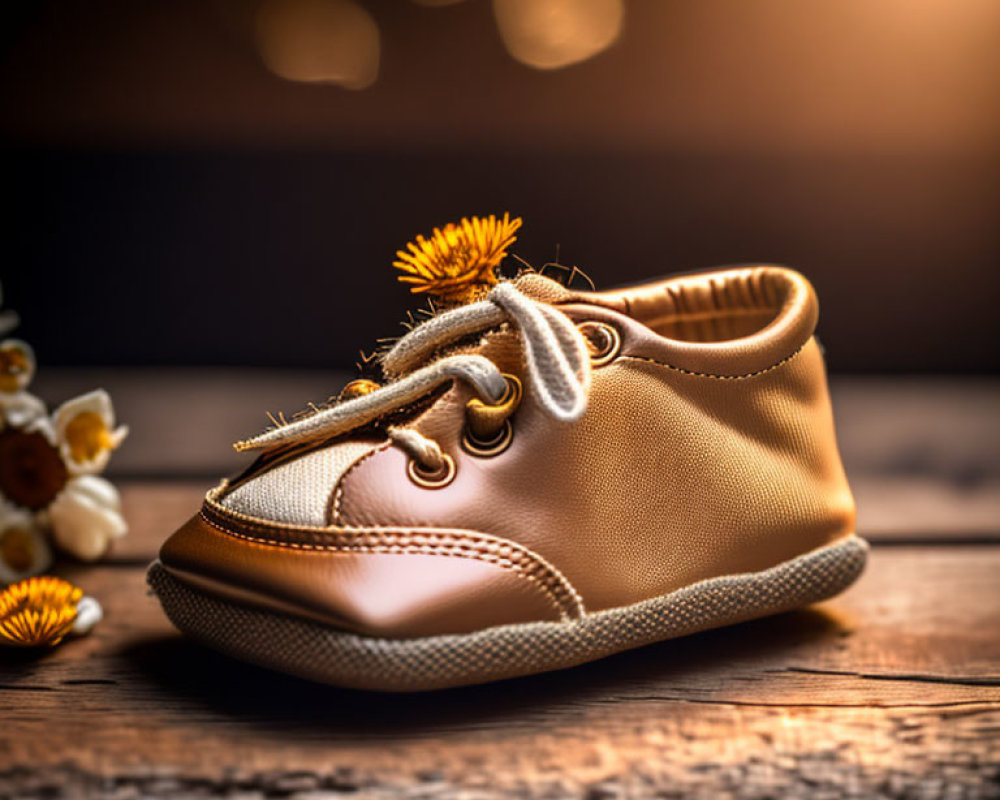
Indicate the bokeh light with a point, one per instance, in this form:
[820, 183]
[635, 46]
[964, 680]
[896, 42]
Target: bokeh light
[549, 34]
[319, 41]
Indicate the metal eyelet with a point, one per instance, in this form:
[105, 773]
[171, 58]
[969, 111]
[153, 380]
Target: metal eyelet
[358, 388]
[493, 447]
[487, 425]
[436, 479]
[603, 341]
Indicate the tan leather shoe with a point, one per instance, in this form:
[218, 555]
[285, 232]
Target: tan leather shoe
[546, 477]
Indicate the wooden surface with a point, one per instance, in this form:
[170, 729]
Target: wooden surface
[891, 690]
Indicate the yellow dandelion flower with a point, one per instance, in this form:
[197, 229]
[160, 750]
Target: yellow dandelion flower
[38, 611]
[458, 263]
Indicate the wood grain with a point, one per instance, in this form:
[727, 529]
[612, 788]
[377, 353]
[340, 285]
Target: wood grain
[892, 689]
[154, 511]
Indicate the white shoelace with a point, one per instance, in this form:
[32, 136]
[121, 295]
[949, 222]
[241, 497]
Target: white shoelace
[554, 351]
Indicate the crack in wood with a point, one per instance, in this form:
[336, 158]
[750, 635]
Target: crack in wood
[760, 704]
[26, 688]
[909, 677]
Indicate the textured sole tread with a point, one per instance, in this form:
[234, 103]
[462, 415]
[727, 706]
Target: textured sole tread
[312, 650]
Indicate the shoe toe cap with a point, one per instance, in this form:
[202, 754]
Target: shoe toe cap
[349, 581]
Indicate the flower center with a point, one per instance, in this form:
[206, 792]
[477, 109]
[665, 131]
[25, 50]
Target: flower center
[87, 436]
[17, 549]
[38, 611]
[13, 364]
[31, 470]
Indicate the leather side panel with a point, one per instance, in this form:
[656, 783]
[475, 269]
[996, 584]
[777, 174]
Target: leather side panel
[669, 478]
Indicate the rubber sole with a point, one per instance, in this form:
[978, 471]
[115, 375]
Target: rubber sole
[311, 650]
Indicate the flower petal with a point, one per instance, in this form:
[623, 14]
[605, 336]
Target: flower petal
[42, 425]
[100, 490]
[88, 614]
[20, 408]
[82, 526]
[86, 433]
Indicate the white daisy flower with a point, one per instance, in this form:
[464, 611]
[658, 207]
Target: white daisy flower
[86, 433]
[82, 511]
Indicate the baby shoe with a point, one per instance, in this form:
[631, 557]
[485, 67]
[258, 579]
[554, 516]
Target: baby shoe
[539, 476]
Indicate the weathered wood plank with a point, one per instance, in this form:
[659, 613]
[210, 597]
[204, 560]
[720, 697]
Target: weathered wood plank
[154, 511]
[895, 684]
[922, 454]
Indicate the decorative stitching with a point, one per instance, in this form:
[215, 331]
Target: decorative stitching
[683, 371]
[401, 549]
[471, 545]
[338, 493]
[404, 547]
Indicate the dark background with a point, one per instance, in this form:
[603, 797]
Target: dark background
[171, 201]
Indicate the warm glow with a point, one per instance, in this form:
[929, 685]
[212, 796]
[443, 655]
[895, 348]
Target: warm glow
[319, 41]
[548, 34]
